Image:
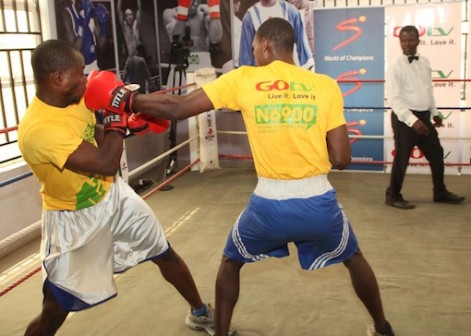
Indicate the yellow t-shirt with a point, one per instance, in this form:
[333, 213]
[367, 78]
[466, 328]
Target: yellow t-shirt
[287, 111]
[47, 135]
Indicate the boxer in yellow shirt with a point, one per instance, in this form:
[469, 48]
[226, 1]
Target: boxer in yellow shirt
[297, 132]
[93, 223]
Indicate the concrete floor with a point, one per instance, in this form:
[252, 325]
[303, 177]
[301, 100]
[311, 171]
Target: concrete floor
[422, 259]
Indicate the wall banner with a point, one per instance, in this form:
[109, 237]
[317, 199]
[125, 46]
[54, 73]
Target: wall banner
[349, 46]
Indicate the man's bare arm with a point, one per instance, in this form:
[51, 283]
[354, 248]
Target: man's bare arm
[338, 146]
[173, 107]
[103, 160]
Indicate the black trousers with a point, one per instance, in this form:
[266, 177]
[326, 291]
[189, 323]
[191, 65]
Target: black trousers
[405, 138]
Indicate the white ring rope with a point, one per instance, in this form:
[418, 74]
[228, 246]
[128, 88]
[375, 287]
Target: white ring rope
[160, 157]
[350, 136]
[20, 238]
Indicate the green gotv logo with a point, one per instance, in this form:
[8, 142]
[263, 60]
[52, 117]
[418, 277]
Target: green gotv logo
[295, 114]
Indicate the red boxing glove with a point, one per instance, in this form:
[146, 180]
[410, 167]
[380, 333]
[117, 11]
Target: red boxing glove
[156, 125]
[136, 125]
[92, 74]
[214, 12]
[182, 9]
[115, 122]
[105, 92]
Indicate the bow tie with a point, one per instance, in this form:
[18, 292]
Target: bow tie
[411, 58]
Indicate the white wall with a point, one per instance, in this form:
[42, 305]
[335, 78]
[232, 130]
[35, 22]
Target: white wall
[20, 202]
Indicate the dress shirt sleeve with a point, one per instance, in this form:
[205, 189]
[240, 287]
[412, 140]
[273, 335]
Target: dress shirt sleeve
[432, 104]
[398, 105]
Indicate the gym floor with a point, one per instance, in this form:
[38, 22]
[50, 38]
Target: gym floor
[421, 257]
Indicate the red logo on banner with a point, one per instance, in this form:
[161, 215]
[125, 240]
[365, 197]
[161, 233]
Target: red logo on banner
[350, 77]
[352, 130]
[347, 25]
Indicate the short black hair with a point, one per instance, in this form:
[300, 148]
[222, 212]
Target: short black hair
[50, 56]
[409, 29]
[279, 31]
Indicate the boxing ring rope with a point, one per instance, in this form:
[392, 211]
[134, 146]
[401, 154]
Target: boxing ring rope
[174, 149]
[418, 164]
[384, 81]
[350, 136]
[176, 88]
[366, 137]
[10, 243]
[8, 129]
[19, 281]
[15, 179]
[161, 156]
[388, 108]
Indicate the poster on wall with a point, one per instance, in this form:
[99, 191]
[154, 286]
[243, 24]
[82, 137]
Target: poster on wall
[250, 14]
[88, 26]
[189, 27]
[192, 34]
[349, 46]
[137, 44]
[439, 28]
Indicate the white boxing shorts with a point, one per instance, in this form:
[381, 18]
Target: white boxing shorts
[81, 250]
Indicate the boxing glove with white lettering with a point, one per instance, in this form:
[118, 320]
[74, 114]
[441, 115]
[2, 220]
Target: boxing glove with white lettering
[105, 92]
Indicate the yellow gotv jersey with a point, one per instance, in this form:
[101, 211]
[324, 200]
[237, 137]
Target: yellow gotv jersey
[47, 135]
[287, 111]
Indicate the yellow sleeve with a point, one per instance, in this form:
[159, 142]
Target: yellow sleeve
[53, 146]
[223, 92]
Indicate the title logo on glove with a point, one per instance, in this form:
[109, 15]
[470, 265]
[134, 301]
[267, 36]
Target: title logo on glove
[112, 118]
[118, 97]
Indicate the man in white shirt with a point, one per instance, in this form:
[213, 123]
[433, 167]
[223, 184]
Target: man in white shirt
[413, 106]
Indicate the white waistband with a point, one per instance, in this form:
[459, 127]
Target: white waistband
[286, 189]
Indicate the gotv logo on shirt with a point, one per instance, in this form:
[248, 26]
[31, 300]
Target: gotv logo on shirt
[281, 85]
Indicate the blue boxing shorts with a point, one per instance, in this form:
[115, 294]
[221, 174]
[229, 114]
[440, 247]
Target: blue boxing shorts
[305, 212]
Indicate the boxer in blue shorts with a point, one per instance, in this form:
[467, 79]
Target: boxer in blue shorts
[317, 225]
[297, 133]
